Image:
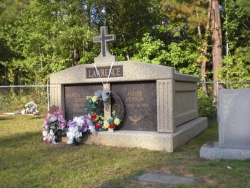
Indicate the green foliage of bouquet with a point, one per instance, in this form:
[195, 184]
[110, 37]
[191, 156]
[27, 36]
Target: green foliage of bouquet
[97, 117]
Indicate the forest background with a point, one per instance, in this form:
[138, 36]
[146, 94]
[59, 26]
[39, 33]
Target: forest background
[40, 37]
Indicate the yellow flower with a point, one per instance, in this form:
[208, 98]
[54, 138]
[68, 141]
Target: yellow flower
[94, 99]
[88, 97]
[106, 125]
[117, 121]
[97, 117]
[101, 117]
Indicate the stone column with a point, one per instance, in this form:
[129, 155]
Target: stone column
[165, 106]
[107, 105]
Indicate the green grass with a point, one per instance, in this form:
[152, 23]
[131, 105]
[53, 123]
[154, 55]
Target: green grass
[27, 161]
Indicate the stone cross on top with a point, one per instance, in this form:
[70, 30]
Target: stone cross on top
[105, 55]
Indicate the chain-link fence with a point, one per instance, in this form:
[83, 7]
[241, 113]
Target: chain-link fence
[225, 85]
[233, 85]
[14, 98]
[207, 103]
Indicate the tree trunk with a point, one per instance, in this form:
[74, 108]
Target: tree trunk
[217, 44]
[204, 51]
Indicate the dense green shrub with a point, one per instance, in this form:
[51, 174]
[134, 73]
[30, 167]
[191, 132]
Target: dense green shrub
[206, 105]
[14, 99]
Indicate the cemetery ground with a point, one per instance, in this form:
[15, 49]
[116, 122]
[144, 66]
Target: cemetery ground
[27, 161]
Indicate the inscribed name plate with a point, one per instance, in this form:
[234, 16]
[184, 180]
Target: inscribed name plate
[234, 118]
[75, 99]
[105, 72]
[140, 105]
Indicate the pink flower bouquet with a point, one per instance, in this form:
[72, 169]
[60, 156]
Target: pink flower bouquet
[54, 124]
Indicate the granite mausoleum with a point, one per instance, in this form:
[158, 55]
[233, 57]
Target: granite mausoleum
[161, 106]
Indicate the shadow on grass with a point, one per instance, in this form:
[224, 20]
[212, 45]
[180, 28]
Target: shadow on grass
[5, 118]
[37, 117]
[61, 163]
[19, 139]
[28, 149]
[11, 117]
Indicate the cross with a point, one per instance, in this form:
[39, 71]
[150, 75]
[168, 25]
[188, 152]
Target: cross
[105, 56]
[103, 39]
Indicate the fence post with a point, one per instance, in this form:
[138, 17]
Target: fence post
[48, 96]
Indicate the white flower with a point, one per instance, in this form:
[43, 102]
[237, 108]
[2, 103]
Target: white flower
[79, 120]
[91, 128]
[73, 133]
[23, 112]
[49, 137]
[30, 108]
[45, 133]
[110, 130]
[52, 118]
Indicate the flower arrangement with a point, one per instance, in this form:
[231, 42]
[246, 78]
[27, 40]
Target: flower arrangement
[97, 118]
[94, 113]
[108, 124]
[54, 124]
[77, 127]
[30, 108]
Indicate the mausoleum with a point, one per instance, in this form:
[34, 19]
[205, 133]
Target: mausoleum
[160, 105]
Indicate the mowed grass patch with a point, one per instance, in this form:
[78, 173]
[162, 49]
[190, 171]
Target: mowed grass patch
[27, 161]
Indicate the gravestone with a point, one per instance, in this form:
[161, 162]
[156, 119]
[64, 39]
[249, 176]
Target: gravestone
[234, 126]
[161, 106]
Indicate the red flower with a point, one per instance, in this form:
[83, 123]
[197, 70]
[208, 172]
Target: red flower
[98, 125]
[112, 126]
[93, 116]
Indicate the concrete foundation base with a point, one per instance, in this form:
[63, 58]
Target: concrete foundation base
[211, 150]
[149, 140]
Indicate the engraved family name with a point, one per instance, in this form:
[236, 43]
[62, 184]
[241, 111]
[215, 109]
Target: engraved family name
[116, 71]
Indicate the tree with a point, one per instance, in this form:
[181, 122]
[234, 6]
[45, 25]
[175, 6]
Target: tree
[9, 13]
[46, 36]
[236, 29]
[53, 35]
[204, 48]
[217, 43]
[183, 30]
[10, 10]
[130, 20]
[244, 4]
[151, 51]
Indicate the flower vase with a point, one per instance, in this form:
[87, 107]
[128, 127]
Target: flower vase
[75, 142]
[58, 138]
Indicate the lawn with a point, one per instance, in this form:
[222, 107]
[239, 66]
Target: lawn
[27, 161]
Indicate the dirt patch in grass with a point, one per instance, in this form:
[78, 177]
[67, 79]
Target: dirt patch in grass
[208, 180]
